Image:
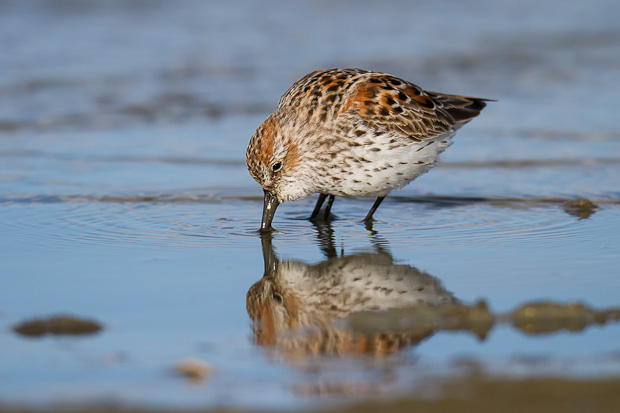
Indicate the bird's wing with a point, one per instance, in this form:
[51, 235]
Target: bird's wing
[385, 103]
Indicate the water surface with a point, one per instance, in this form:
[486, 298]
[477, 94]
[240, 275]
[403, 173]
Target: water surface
[124, 198]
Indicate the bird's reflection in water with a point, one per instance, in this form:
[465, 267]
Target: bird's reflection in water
[301, 309]
[341, 319]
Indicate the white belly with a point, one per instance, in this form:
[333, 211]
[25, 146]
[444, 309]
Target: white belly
[376, 169]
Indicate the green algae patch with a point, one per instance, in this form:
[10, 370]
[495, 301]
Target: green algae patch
[57, 325]
[581, 208]
[422, 320]
[549, 317]
[545, 317]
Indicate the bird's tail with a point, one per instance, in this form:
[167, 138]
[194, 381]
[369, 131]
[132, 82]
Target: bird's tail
[462, 109]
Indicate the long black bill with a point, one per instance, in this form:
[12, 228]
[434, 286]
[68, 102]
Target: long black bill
[269, 210]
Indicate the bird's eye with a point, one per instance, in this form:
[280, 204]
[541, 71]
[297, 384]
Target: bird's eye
[277, 166]
[278, 298]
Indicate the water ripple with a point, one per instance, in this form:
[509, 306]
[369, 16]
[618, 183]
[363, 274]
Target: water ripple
[196, 220]
[120, 224]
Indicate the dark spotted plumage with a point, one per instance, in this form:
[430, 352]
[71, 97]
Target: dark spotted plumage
[352, 132]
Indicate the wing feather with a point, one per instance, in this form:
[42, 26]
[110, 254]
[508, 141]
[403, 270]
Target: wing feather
[384, 102]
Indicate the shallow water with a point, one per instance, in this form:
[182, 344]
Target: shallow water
[124, 196]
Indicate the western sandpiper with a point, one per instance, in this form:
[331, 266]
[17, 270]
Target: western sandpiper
[351, 133]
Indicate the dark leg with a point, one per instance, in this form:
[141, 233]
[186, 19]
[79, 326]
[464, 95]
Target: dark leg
[373, 209]
[328, 207]
[318, 205]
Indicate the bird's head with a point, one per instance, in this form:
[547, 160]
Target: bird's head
[275, 161]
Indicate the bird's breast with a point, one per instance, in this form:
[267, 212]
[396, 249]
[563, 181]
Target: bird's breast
[375, 166]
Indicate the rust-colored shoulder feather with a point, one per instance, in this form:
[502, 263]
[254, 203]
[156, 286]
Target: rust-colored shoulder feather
[385, 102]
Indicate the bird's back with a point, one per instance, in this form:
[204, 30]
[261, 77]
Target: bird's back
[370, 132]
[376, 101]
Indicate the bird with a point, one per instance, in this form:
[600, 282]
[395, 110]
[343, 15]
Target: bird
[351, 133]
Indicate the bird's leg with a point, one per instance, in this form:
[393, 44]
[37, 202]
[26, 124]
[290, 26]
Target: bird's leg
[317, 207]
[328, 207]
[373, 209]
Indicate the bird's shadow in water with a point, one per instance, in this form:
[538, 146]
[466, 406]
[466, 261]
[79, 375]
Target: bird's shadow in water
[301, 309]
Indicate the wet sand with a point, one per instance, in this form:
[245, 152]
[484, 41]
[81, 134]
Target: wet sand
[474, 392]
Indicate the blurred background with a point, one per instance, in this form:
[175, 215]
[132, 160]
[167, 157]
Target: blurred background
[71, 64]
[124, 195]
